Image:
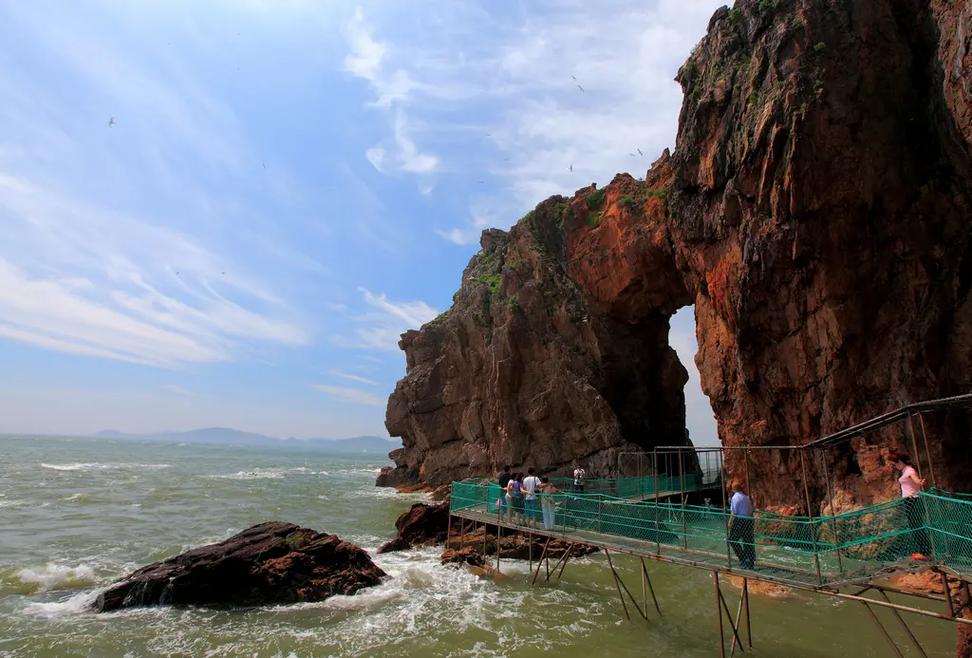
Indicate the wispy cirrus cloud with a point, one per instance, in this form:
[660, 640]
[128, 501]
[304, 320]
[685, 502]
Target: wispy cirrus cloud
[119, 288]
[351, 395]
[352, 377]
[380, 324]
[367, 59]
[85, 266]
[563, 94]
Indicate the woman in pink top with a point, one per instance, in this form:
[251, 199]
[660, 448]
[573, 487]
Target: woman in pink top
[910, 485]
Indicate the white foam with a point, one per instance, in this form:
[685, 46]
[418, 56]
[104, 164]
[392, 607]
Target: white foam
[98, 466]
[77, 604]
[275, 473]
[57, 576]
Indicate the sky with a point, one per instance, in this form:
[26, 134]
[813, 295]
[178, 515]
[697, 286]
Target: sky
[225, 213]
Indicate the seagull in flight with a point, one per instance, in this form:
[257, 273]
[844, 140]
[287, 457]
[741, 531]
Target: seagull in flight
[111, 122]
[574, 78]
[640, 153]
[572, 167]
[581, 88]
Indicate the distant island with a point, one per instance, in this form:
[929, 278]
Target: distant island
[372, 445]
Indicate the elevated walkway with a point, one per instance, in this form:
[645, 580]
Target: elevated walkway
[807, 552]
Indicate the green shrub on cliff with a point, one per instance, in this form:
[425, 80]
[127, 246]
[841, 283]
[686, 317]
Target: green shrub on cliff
[595, 200]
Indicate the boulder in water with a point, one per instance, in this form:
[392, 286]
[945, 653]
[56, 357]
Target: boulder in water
[422, 525]
[269, 563]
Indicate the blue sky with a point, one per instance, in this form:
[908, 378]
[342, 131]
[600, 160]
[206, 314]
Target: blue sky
[224, 213]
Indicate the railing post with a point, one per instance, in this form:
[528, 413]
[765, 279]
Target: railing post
[813, 528]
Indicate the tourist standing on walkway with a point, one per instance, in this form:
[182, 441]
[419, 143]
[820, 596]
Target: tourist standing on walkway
[742, 537]
[579, 475]
[547, 503]
[515, 497]
[531, 484]
[503, 480]
[910, 485]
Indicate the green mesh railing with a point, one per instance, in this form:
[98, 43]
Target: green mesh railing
[937, 524]
[633, 487]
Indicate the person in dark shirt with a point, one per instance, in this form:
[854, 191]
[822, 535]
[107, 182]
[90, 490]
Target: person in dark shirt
[502, 480]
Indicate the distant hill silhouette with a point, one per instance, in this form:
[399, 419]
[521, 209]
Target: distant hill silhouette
[229, 436]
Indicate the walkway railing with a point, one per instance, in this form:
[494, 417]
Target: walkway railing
[633, 487]
[817, 550]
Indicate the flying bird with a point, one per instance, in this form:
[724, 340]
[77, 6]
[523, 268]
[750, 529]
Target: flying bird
[640, 153]
[111, 122]
[574, 78]
[581, 88]
[571, 167]
[632, 155]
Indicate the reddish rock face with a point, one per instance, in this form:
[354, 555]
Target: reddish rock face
[526, 369]
[820, 213]
[270, 563]
[816, 211]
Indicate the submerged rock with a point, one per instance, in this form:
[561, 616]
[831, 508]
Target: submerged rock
[270, 563]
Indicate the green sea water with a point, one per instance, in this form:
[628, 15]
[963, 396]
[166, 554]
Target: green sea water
[76, 514]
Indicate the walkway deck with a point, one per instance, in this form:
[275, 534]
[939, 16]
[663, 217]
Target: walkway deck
[814, 553]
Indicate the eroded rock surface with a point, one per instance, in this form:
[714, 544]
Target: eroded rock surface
[815, 210]
[270, 563]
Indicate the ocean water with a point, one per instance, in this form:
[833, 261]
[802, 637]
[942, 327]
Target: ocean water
[75, 514]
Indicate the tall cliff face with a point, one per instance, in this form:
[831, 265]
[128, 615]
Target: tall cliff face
[821, 214]
[528, 369]
[816, 211]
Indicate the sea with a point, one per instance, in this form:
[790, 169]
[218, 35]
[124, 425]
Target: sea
[79, 513]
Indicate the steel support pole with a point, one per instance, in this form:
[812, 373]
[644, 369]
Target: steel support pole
[499, 536]
[449, 531]
[540, 563]
[833, 511]
[924, 437]
[749, 627]
[914, 640]
[651, 589]
[718, 594]
[725, 515]
[813, 528]
[657, 509]
[884, 631]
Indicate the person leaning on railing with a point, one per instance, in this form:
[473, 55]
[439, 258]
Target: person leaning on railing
[910, 485]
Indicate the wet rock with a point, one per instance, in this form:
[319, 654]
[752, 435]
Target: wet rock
[422, 525]
[270, 563]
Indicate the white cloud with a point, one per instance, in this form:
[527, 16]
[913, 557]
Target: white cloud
[117, 287]
[380, 326]
[392, 88]
[413, 314]
[351, 377]
[366, 54]
[352, 395]
[518, 74]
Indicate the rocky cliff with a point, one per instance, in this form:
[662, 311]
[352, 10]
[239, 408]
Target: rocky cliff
[816, 212]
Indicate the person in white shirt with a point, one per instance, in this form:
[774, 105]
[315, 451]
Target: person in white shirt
[531, 484]
[579, 475]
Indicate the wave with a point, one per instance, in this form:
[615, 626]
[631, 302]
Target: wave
[54, 576]
[277, 473]
[73, 605]
[98, 466]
